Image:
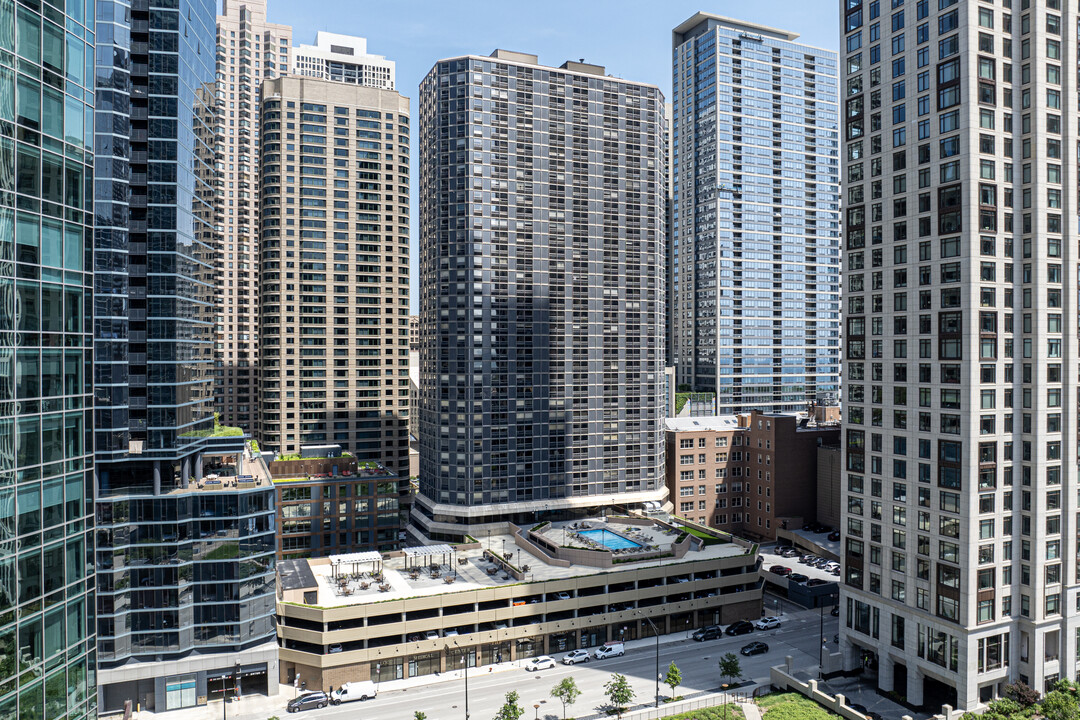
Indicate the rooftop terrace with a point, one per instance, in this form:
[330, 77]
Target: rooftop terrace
[499, 559]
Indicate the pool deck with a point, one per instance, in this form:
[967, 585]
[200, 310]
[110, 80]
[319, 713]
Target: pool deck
[472, 571]
[644, 538]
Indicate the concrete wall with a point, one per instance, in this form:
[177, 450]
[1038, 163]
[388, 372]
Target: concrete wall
[829, 488]
[782, 678]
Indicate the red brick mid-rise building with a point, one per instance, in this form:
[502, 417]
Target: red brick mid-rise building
[748, 474]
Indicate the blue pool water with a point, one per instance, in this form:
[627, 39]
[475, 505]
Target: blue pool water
[609, 539]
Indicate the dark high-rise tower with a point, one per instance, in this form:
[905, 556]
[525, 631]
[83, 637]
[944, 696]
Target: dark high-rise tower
[542, 291]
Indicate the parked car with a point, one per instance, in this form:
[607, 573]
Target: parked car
[818, 562]
[575, 657]
[781, 549]
[807, 559]
[780, 570]
[544, 662]
[308, 701]
[754, 648]
[610, 649]
[814, 582]
[798, 577]
[712, 632]
[790, 553]
[334, 648]
[740, 627]
[835, 571]
[450, 632]
[830, 565]
[834, 535]
[431, 635]
[767, 623]
[835, 612]
[350, 691]
[559, 596]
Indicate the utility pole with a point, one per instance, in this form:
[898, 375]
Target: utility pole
[821, 632]
[657, 634]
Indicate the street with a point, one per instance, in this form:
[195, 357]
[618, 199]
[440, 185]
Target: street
[444, 699]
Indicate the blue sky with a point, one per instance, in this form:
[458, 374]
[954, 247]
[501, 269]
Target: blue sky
[632, 38]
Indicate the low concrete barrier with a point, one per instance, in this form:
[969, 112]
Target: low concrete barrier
[781, 678]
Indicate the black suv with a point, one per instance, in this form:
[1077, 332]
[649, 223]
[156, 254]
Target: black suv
[741, 627]
[712, 632]
[308, 701]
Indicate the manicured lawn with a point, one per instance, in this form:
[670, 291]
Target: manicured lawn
[791, 706]
[709, 539]
[720, 712]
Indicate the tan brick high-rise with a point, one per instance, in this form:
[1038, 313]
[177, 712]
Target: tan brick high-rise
[249, 50]
[335, 269]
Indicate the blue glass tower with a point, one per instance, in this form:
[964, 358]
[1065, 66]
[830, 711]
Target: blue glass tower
[47, 654]
[754, 250]
[185, 568]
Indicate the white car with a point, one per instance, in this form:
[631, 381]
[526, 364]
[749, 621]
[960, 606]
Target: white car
[767, 623]
[544, 662]
[576, 656]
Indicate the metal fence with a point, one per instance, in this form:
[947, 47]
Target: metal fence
[708, 701]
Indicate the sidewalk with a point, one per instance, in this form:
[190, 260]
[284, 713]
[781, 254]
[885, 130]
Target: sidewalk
[250, 706]
[261, 707]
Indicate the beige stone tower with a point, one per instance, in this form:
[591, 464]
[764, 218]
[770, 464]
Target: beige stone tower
[249, 50]
[335, 269]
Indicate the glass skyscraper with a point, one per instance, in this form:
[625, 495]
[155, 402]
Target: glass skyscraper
[47, 653]
[184, 568]
[754, 250]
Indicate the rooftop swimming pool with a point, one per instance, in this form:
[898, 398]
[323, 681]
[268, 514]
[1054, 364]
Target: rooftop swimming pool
[609, 539]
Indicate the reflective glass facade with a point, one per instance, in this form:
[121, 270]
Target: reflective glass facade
[542, 288]
[161, 593]
[754, 255]
[47, 654]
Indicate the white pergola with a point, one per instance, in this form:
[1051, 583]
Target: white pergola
[417, 556]
[338, 563]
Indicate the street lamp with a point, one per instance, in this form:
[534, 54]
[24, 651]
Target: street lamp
[465, 666]
[656, 632]
[536, 714]
[821, 632]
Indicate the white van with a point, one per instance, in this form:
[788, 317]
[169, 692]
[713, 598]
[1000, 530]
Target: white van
[354, 691]
[609, 649]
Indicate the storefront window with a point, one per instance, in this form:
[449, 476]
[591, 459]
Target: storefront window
[179, 691]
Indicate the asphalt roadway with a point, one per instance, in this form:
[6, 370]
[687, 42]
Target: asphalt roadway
[443, 698]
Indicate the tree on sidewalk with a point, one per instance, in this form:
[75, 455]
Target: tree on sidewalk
[673, 679]
[619, 693]
[510, 709]
[730, 667]
[566, 691]
[419, 715]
